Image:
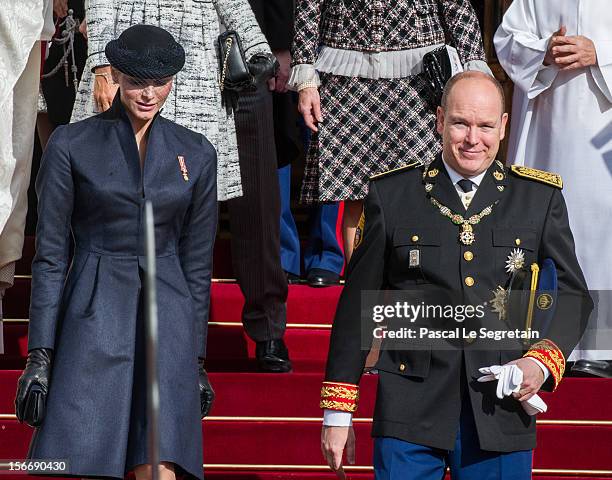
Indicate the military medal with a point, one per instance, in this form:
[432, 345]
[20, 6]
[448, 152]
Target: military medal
[499, 302]
[516, 261]
[414, 259]
[183, 167]
[466, 236]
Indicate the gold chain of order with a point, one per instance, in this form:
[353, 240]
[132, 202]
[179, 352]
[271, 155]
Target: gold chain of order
[228, 47]
[458, 219]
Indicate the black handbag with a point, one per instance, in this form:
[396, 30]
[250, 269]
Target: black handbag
[439, 66]
[234, 73]
[34, 411]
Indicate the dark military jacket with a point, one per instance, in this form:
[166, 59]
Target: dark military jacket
[420, 390]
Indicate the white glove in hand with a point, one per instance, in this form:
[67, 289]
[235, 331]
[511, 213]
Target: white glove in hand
[509, 379]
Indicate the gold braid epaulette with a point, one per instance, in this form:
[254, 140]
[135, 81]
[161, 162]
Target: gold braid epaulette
[553, 179]
[339, 396]
[547, 352]
[410, 166]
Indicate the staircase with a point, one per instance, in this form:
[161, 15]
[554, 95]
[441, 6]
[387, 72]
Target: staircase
[267, 426]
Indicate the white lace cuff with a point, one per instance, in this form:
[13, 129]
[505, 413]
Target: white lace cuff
[302, 73]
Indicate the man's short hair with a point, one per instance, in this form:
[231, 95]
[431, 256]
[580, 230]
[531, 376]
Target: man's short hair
[472, 74]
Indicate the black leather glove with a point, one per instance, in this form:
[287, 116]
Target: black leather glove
[263, 66]
[207, 394]
[32, 387]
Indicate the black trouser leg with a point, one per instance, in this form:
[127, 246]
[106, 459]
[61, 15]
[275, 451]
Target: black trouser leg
[255, 220]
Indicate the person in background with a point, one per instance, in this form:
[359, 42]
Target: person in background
[559, 56]
[358, 69]
[323, 257]
[25, 24]
[57, 85]
[86, 344]
[253, 217]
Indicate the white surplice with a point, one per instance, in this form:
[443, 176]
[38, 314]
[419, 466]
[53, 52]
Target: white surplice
[23, 24]
[562, 122]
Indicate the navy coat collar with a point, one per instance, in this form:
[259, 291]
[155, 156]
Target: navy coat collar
[156, 147]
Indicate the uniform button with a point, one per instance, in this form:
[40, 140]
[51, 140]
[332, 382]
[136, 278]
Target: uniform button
[517, 241]
[469, 281]
[402, 367]
[468, 256]
[415, 238]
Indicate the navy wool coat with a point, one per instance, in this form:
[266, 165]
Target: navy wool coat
[90, 311]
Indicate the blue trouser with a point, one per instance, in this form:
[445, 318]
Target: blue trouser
[399, 460]
[323, 250]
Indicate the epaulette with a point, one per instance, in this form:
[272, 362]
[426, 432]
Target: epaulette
[538, 175]
[404, 168]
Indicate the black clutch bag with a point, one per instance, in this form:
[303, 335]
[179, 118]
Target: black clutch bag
[439, 66]
[34, 411]
[234, 74]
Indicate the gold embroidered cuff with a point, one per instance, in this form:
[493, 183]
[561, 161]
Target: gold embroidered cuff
[547, 352]
[339, 396]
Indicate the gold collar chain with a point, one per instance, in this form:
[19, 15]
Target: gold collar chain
[466, 236]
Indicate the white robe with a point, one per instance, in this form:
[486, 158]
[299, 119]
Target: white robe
[22, 25]
[562, 122]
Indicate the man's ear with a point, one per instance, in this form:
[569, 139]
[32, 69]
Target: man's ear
[440, 120]
[502, 128]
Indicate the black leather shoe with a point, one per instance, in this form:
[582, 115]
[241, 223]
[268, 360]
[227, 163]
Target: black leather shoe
[596, 368]
[292, 278]
[317, 277]
[273, 356]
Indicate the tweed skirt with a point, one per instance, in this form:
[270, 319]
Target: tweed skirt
[369, 127]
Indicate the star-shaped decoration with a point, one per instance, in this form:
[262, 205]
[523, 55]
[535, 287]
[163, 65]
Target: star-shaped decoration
[516, 260]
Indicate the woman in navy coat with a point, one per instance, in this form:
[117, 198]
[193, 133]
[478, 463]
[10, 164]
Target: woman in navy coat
[86, 327]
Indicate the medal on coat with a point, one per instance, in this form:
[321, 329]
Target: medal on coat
[499, 302]
[183, 167]
[466, 236]
[516, 261]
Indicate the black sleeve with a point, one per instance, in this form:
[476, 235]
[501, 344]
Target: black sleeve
[279, 23]
[197, 242]
[55, 191]
[346, 357]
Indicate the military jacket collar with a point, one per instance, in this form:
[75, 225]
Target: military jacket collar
[437, 184]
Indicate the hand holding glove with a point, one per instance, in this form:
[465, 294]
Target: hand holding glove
[509, 379]
[32, 387]
[207, 394]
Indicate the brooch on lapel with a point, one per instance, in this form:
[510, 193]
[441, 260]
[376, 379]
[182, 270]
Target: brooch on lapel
[183, 167]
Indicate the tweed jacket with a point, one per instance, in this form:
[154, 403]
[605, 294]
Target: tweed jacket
[195, 100]
[380, 26]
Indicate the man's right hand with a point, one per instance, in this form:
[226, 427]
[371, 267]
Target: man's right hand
[333, 441]
[309, 105]
[104, 89]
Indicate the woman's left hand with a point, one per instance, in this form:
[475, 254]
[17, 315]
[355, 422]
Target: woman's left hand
[207, 394]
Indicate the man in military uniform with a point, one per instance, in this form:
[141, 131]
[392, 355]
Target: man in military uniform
[463, 224]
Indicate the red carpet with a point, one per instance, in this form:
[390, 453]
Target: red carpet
[267, 427]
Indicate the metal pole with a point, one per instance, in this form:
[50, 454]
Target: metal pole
[151, 332]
